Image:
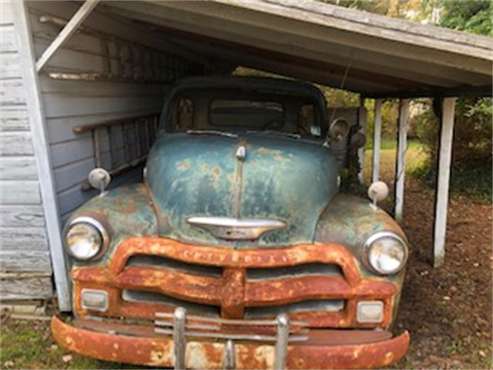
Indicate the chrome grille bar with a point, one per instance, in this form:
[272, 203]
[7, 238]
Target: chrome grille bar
[179, 332]
[218, 320]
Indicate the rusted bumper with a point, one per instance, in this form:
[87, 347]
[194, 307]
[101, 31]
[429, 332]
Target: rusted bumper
[325, 349]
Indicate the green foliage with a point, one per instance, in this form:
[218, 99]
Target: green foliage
[471, 16]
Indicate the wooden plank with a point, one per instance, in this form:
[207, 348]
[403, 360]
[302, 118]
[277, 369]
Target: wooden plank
[73, 174]
[12, 92]
[21, 216]
[442, 190]
[113, 26]
[9, 65]
[26, 288]
[6, 14]
[8, 42]
[19, 192]
[101, 88]
[400, 169]
[61, 129]
[14, 119]
[377, 135]
[18, 168]
[70, 105]
[41, 148]
[71, 27]
[362, 118]
[28, 239]
[25, 260]
[16, 143]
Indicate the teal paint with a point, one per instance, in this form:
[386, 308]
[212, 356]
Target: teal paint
[281, 178]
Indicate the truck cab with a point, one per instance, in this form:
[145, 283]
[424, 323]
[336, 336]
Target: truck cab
[238, 249]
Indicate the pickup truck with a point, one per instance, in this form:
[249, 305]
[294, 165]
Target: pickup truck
[238, 250]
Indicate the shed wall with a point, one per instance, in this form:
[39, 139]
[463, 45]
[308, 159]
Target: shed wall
[123, 71]
[25, 265]
[109, 69]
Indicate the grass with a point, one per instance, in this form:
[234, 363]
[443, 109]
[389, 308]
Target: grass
[473, 182]
[28, 345]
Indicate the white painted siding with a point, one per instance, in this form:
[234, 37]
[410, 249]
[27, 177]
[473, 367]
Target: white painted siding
[25, 265]
[131, 71]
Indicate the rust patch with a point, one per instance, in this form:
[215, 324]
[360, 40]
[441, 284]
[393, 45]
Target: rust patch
[232, 292]
[144, 348]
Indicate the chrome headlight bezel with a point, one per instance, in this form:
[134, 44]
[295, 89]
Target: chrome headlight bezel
[380, 235]
[97, 226]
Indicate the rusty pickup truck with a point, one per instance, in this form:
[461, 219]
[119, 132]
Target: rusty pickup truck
[238, 250]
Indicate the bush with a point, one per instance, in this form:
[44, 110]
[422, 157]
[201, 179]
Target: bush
[471, 170]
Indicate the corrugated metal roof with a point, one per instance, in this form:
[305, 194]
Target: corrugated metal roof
[366, 53]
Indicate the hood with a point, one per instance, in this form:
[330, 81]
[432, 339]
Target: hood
[273, 177]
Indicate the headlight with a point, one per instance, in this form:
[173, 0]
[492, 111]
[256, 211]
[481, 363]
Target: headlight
[85, 237]
[386, 253]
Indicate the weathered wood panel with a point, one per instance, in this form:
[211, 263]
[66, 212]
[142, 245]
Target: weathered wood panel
[15, 287]
[14, 238]
[23, 241]
[14, 119]
[21, 216]
[12, 92]
[15, 144]
[19, 192]
[9, 65]
[24, 259]
[18, 168]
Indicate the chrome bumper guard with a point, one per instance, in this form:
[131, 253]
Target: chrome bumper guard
[180, 326]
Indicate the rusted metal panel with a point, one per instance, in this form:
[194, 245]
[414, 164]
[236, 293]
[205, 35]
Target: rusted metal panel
[141, 346]
[232, 291]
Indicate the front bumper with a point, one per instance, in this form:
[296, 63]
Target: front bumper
[324, 349]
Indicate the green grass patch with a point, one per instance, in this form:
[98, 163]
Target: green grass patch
[29, 345]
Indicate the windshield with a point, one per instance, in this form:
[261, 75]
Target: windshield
[238, 110]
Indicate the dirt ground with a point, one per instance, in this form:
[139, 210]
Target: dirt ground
[447, 310]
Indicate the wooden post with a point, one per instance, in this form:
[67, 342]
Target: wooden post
[70, 28]
[442, 190]
[400, 168]
[377, 134]
[362, 126]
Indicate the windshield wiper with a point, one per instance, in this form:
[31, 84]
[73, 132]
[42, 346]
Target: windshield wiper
[211, 132]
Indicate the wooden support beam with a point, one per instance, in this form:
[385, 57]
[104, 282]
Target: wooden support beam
[442, 190]
[377, 135]
[362, 128]
[66, 32]
[400, 168]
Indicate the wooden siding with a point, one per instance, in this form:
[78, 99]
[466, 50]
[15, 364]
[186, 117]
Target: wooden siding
[127, 73]
[25, 266]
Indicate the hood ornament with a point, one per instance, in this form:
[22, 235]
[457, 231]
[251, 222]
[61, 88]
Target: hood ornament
[230, 228]
[241, 153]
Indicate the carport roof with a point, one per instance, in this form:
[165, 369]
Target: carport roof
[374, 55]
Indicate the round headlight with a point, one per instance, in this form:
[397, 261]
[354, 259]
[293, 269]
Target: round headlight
[386, 253]
[85, 238]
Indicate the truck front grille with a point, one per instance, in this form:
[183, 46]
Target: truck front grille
[317, 283]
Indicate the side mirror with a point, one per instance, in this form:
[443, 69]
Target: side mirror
[338, 130]
[378, 191]
[99, 178]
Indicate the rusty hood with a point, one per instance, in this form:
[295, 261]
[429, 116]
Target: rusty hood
[244, 176]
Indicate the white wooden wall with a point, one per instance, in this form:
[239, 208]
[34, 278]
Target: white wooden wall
[132, 72]
[25, 266]
[127, 72]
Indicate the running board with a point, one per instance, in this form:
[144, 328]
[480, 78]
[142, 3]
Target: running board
[234, 228]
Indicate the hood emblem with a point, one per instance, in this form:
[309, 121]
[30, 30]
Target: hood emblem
[241, 153]
[235, 228]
